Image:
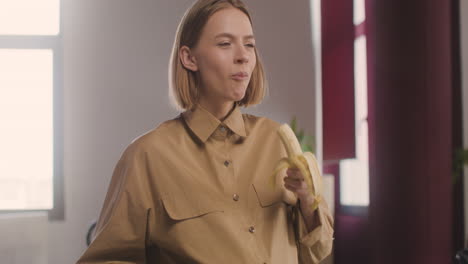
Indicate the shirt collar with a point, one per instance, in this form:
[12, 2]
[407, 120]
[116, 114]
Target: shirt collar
[203, 123]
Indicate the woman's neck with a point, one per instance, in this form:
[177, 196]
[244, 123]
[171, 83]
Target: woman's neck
[219, 110]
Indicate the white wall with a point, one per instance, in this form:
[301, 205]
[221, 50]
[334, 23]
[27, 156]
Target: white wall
[464, 50]
[115, 79]
[24, 239]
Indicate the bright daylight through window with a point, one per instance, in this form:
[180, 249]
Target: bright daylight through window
[29, 43]
[354, 173]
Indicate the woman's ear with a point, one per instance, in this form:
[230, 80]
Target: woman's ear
[187, 59]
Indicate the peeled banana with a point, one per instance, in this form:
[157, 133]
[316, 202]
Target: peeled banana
[305, 162]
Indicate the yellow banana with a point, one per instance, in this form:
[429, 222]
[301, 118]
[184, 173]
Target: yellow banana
[305, 162]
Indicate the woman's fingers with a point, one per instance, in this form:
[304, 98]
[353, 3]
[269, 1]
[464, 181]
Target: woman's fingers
[295, 182]
[295, 174]
[300, 188]
[291, 186]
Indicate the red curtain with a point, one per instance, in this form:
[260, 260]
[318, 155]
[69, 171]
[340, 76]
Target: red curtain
[410, 131]
[413, 128]
[338, 79]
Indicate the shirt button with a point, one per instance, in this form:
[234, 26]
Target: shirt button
[252, 229]
[222, 129]
[235, 197]
[226, 163]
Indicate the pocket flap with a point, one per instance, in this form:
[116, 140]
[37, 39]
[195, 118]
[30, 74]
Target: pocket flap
[182, 206]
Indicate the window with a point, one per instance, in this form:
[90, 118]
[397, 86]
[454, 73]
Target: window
[30, 107]
[354, 173]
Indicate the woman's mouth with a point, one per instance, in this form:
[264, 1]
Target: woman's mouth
[240, 76]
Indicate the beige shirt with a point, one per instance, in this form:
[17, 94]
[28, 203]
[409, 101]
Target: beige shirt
[197, 190]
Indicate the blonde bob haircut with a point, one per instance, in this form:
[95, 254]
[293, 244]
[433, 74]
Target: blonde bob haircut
[184, 83]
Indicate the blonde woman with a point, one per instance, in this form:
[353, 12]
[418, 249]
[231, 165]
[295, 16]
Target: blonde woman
[195, 189]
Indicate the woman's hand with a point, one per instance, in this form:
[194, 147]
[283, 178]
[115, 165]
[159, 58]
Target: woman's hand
[294, 181]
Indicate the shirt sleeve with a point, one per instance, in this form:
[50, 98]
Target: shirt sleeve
[315, 245]
[120, 234]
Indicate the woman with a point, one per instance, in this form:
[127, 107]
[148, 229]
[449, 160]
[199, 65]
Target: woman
[195, 189]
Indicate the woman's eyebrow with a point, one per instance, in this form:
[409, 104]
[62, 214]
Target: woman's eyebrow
[229, 35]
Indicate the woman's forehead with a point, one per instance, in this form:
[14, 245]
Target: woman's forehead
[229, 22]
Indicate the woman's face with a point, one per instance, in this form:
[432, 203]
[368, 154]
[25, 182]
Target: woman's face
[225, 56]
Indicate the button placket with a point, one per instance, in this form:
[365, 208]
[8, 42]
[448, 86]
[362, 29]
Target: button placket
[230, 177]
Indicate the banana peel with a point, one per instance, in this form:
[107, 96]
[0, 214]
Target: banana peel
[296, 159]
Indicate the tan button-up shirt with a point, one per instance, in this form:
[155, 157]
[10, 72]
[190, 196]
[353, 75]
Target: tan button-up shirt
[197, 190]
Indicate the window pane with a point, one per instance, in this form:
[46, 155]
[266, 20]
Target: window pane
[29, 17]
[359, 12]
[354, 174]
[26, 129]
[354, 185]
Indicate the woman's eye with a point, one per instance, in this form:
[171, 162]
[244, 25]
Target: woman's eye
[225, 44]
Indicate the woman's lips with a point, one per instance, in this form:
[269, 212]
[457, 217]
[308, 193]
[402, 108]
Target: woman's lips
[240, 76]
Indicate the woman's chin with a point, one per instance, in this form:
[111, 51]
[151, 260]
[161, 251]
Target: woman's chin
[238, 96]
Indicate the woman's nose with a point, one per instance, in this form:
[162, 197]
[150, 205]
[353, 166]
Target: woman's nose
[242, 55]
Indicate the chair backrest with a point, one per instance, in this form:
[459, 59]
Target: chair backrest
[90, 233]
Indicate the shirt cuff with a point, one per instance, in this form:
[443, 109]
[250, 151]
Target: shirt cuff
[323, 230]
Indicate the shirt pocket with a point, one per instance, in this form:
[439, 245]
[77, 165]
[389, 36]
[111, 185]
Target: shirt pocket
[183, 206]
[267, 195]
